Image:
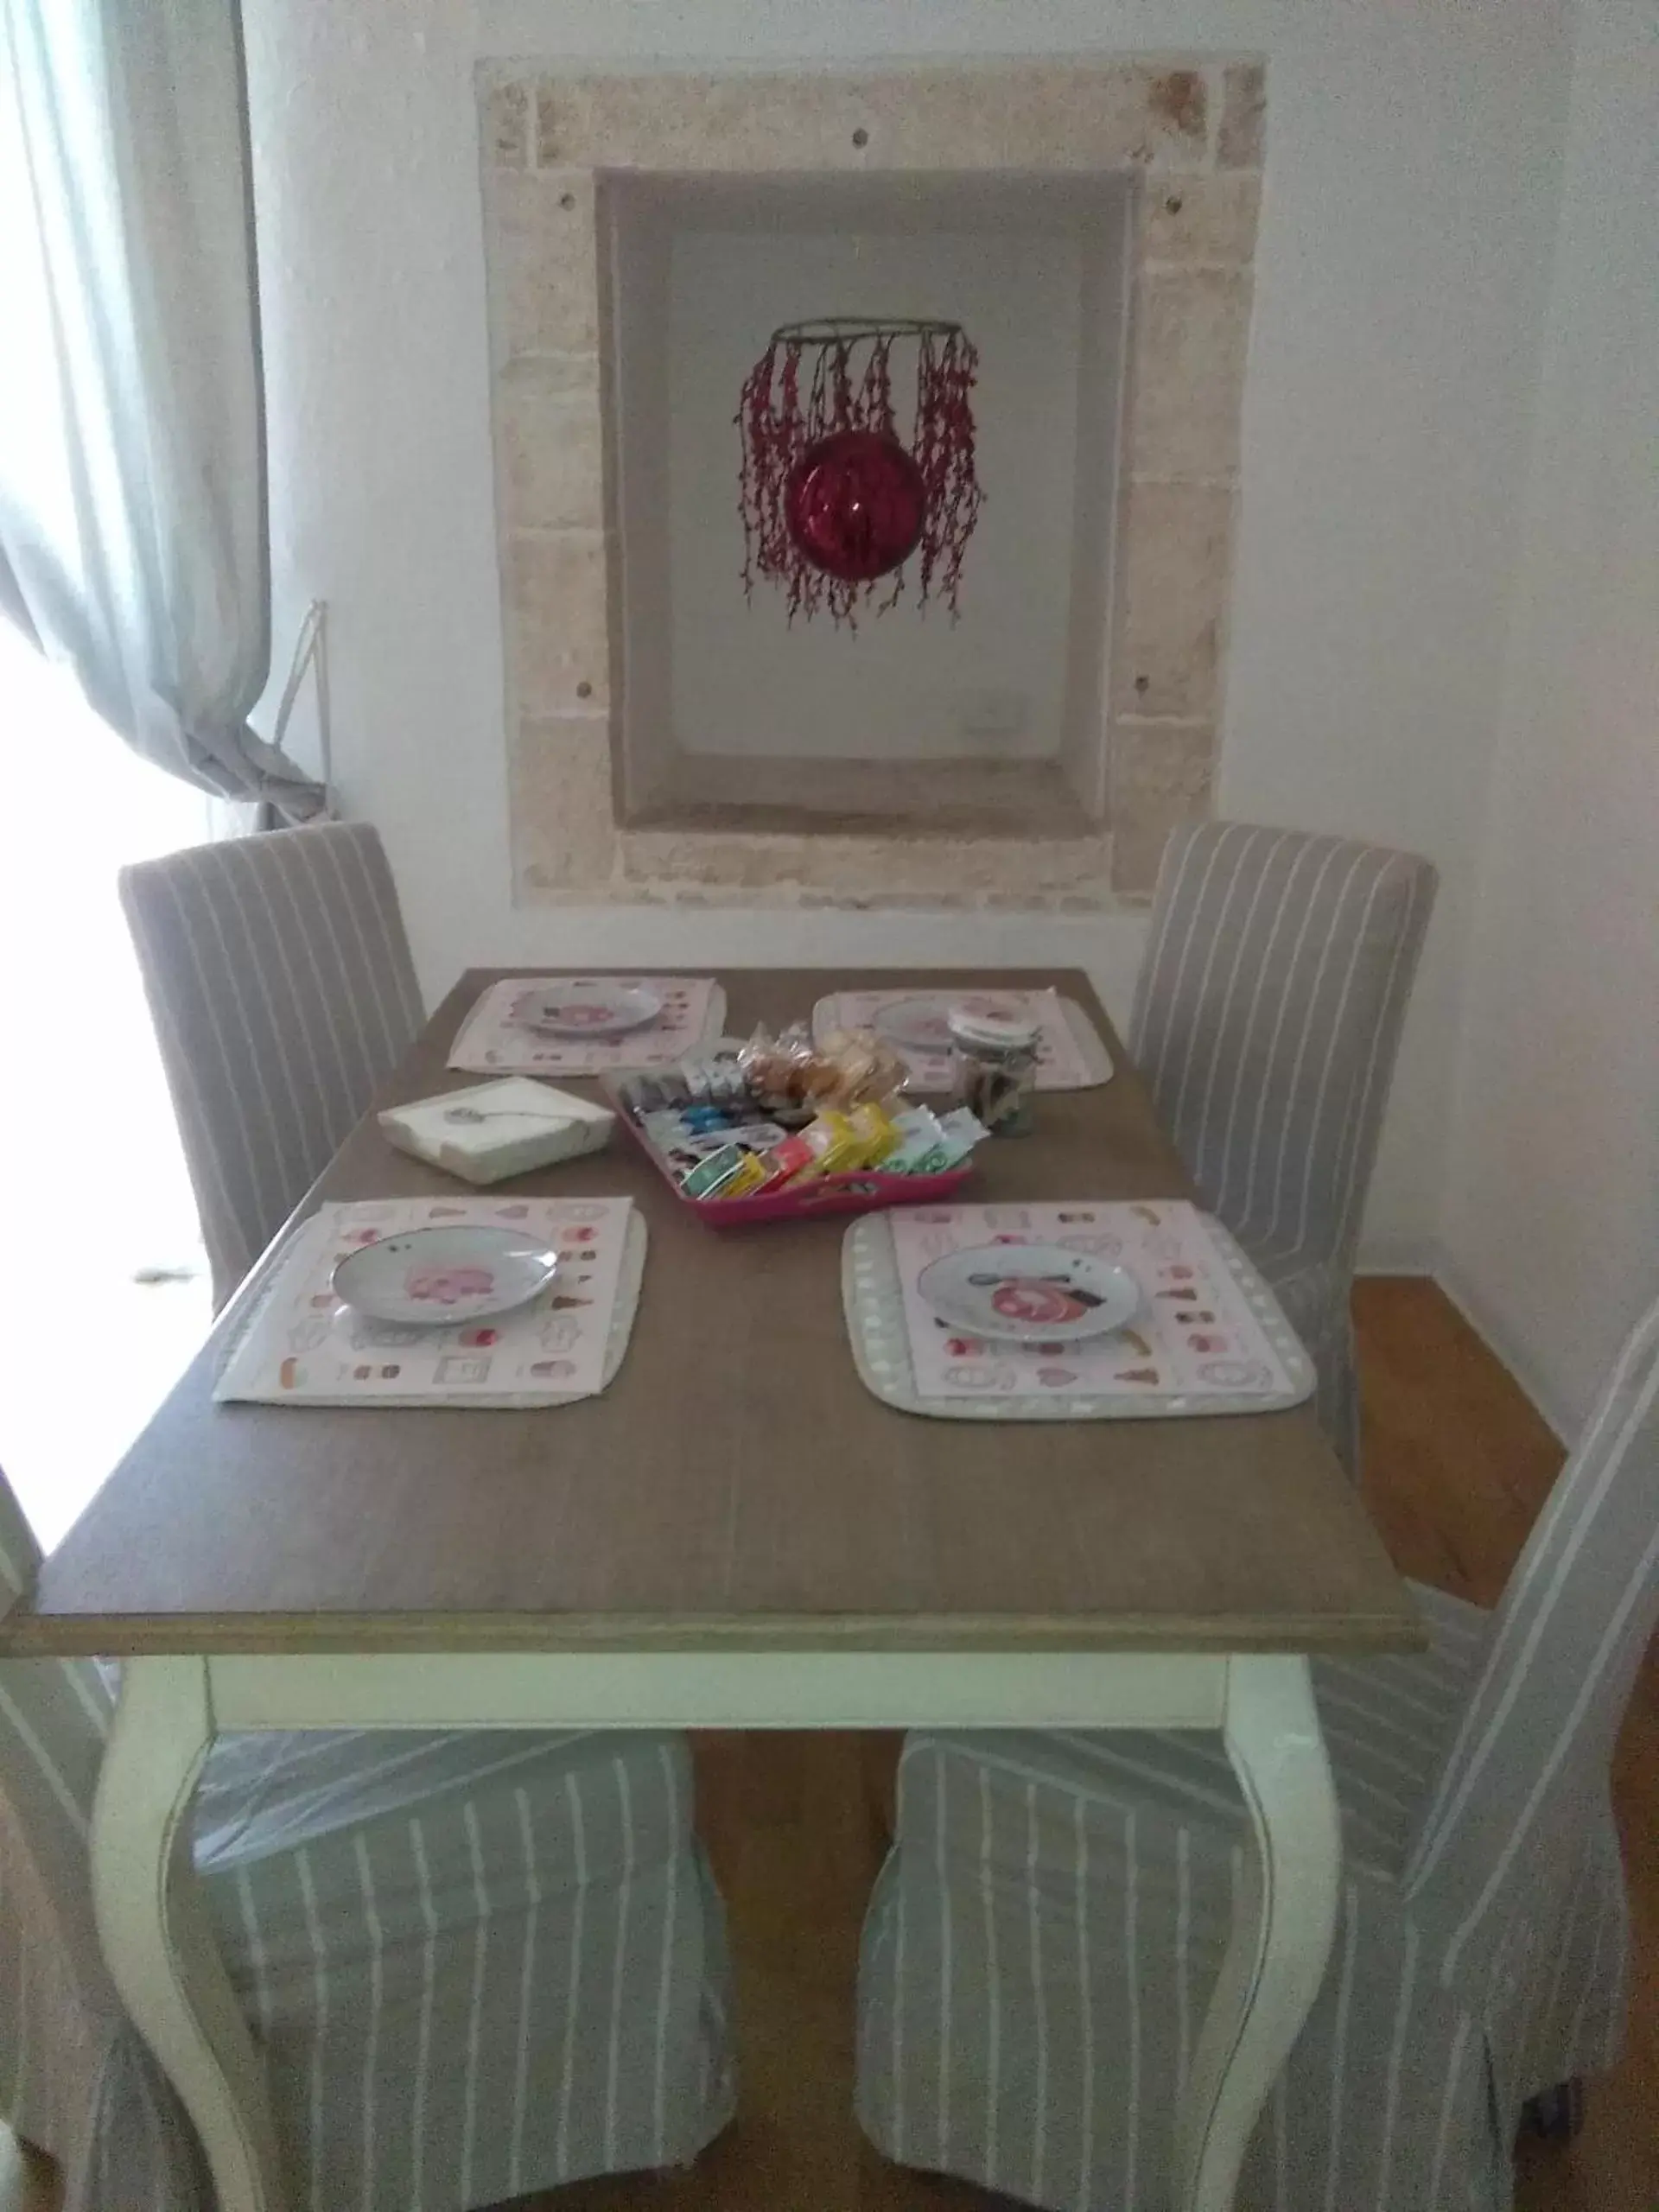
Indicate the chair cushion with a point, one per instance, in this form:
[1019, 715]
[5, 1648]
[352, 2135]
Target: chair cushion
[342, 1840]
[1386, 1721]
[263, 1793]
[477, 1964]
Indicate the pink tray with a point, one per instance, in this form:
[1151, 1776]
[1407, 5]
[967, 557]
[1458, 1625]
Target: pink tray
[863, 1192]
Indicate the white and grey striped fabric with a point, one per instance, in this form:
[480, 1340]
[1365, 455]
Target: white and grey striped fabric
[1047, 1929]
[1266, 1021]
[478, 1964]
[74, 2080]
[1524, 1787]
[283, 994]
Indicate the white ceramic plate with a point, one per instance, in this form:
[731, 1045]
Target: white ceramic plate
[575, 1008]
[435, 1278]
[920, 1025]
[1030, 1293]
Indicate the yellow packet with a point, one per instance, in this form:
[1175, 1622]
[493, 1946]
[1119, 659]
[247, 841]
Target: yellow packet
[873, 1127]
[749, 1177]
[835, 1147]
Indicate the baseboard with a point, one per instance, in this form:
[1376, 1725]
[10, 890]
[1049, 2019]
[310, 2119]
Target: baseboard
[1427, 1257]
[1500, 1341]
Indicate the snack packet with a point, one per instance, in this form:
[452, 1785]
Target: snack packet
[784, 1162]
[860, 1068]
[776, 1069]
[834, 1145]
[918, 1134]
[731, 1172]
[876, 1134]
[959, 1132]
[854, 1068]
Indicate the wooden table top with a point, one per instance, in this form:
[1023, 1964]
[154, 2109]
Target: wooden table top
[736, 1486]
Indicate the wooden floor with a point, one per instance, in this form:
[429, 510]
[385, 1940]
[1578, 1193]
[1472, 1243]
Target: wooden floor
[1457, 1464]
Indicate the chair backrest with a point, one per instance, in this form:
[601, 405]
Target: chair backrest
[54, 1721]
[1503, 1826]
[1266, 1018]
[280, 979]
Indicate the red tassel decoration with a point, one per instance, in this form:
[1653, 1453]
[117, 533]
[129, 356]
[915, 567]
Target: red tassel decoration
[832, 496]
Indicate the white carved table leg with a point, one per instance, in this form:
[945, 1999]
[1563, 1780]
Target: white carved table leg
[1277, 1958]
[154, 1928]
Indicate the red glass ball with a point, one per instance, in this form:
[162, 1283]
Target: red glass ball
[854, 504]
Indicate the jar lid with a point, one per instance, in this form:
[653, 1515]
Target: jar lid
[996, 1032]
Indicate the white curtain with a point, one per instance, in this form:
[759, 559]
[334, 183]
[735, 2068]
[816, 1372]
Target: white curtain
[132, 491]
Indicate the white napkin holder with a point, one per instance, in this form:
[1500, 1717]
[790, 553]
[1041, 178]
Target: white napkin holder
[524, 1124]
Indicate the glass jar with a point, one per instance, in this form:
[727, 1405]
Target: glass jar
[995, 1059]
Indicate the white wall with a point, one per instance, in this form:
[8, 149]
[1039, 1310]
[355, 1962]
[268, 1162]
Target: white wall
[1409, 197]
[1552, 1228]
[909, 684]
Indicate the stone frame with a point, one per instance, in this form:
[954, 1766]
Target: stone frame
[1193, 129]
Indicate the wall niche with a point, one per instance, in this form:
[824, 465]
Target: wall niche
[1092, 229]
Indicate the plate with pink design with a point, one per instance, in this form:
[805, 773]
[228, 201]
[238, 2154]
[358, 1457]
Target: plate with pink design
[922, 1025]
[586, 1006]
[435, 1278]
[1029, 1293]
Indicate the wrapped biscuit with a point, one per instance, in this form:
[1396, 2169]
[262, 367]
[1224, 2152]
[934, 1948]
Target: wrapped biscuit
[778, 1069]
[861, 1069]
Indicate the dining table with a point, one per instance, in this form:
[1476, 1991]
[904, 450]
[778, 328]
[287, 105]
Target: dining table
[734, 1534]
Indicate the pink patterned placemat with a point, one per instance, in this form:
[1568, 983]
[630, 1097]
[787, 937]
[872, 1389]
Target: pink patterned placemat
[1210, 1337]
[299, 1345]
[493, 1041]
[1070, 1052]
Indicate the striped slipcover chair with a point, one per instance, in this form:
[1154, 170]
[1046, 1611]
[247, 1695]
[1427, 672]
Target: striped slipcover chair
[1266, 1021]
[283, 994]
[1046, 1934]
[477, 1964]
